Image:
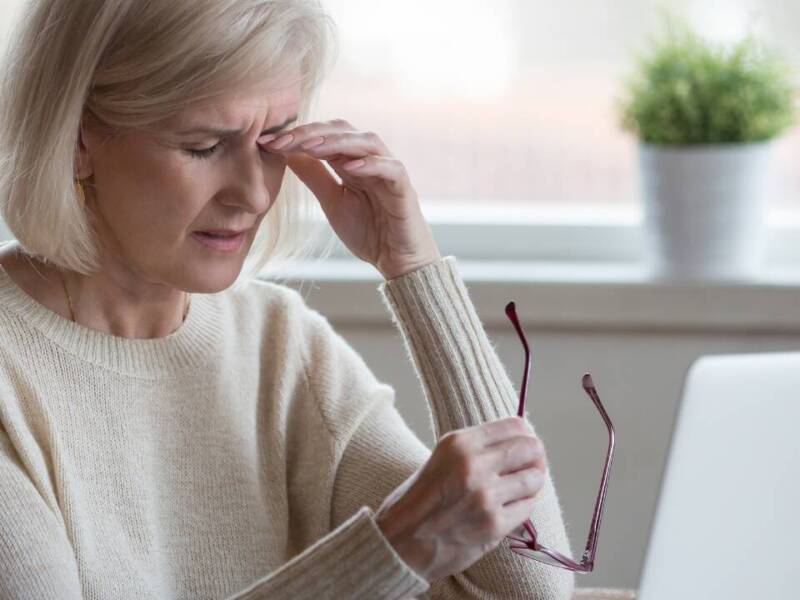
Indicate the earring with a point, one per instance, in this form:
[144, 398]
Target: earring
[80, 193]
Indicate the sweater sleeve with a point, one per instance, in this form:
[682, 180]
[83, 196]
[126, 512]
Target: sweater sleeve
[464, 384]
[353, 561]
[36, 557]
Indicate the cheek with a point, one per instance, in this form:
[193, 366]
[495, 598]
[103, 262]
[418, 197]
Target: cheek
[165, 204]
[175, 198]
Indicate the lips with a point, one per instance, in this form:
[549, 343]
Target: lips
[222, 232]
[224, 242]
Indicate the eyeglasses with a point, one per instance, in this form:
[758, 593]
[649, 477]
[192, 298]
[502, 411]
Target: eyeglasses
[531, 548]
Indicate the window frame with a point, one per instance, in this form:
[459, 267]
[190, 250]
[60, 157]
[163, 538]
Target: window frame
[593, 236]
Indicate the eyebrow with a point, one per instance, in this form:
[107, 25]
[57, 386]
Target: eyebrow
[226, 133]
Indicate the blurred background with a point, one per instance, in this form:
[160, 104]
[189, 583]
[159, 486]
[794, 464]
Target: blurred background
[512, 101]
[504, 113]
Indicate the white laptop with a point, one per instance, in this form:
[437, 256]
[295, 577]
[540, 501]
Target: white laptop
[727, 523]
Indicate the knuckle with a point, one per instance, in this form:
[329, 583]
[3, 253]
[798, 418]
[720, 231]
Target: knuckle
[533, 480]
[513, 420]
[372, 137]
[453, 450]
[516, 426]
[340, 123]
[456, 442]
[508, 453]
[301, 130]
[534, 446]
[524, 427]
[446, 440]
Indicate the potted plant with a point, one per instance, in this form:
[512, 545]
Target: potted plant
[705, 116]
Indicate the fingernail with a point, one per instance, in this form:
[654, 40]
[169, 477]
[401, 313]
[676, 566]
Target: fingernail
[267, 138]
[282, 141]
[312, 143]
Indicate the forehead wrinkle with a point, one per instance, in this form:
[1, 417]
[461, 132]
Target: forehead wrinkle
[210, 122]
[227, 133]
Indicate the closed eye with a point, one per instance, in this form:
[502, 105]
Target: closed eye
[204, 153]
[208, 152]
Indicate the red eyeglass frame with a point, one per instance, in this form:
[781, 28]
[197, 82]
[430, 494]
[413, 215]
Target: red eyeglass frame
[531, 548]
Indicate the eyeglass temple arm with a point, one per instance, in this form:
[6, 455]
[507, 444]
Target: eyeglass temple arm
[511, 313]
[591, 541]
[524, 388]
[588, 387]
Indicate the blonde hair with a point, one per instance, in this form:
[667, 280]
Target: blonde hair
[128, 65]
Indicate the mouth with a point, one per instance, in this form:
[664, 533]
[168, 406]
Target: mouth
[220, 240]
[224, 232]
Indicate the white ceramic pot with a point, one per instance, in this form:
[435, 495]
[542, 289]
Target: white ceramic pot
[703, 209]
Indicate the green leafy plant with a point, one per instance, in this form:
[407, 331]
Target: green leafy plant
[687, 90]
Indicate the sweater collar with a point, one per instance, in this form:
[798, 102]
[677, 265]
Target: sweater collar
[181, 352]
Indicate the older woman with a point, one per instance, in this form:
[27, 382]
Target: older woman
[170, 425]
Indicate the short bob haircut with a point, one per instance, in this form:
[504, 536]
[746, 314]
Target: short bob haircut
[128, 65]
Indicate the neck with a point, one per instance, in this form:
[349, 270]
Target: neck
[120, 313]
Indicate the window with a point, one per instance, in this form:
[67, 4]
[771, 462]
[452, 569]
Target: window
[511, 103]
[504, 114]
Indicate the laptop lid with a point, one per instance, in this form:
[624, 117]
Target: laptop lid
[727, 521]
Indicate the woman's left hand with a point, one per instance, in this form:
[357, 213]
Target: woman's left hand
[374, 210]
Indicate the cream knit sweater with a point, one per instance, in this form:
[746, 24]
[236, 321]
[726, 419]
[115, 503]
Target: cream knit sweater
[241, 456]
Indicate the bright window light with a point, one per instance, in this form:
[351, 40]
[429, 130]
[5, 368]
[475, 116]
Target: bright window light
[513, 103]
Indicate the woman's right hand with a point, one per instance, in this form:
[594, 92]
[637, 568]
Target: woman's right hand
[477, 487]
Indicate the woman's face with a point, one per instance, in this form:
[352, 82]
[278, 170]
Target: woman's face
[153, 193]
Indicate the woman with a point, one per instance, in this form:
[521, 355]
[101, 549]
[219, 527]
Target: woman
[171, 428]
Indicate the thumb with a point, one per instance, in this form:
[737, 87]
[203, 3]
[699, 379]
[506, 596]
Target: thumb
[316, 176]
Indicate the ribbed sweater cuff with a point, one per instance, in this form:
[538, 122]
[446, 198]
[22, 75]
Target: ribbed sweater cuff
[464, 380]
[353, 561]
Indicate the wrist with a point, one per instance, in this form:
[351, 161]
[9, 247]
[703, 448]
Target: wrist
[411, 551]
[394, 272]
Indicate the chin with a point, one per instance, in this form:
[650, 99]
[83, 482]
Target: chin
[209, 279]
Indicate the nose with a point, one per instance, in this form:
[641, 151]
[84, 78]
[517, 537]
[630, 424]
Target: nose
[254, 181]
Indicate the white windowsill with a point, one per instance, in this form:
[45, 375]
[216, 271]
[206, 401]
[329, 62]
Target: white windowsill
[619, 296]
[576, 273]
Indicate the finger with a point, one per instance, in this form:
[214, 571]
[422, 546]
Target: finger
[291, 140]
[355, 144]
[513, 454]
[516, 513]
[321, 128]
[511, 516]
[316, 176]
[526, 483]
[494, 432]
[390, 170]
